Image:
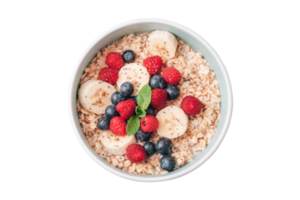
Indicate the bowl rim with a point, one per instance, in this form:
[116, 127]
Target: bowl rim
[227, 117]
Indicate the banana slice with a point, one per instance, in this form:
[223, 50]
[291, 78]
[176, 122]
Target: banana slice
[116, 144]
[94, 95]
[173, 122]
[162, 43]
[134, 73]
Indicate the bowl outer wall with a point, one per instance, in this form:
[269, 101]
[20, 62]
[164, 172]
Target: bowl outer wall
[189, 37]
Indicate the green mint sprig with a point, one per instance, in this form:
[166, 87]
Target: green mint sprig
[140, 112]
[133, 125]
[144, 99]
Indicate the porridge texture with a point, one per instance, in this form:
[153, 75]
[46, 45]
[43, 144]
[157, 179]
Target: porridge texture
[197, 79]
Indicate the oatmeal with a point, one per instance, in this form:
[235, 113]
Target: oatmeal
[194, 131]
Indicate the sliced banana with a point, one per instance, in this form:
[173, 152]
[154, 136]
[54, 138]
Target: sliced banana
[94, 95]
[173, 122]
[134, 73]
[116, 144]
[162, 43]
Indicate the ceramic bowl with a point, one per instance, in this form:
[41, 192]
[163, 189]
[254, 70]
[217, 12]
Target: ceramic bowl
[189, 37]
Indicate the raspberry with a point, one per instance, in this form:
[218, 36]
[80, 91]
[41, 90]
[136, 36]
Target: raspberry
[135, 153]
[118, 126]
[114, 60]
[126, 109]
[149, 123]
[153, 64]
[158, 98]
[171, 75]
[109, 75]
[191, 105]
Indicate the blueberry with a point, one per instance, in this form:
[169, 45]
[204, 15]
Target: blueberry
[163, 146]
[150, 111]
[149, 148]
[157, 82]
[167, 163]
[103, 123]
[172, 91]
[143, 136]
[128, 56]
[126, 89]
[134, 98]
[111, 112]
[116, 98]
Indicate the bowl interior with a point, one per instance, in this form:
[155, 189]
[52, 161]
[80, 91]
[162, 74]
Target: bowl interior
[189, 38]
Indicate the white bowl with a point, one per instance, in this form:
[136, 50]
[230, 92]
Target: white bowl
[189, 37]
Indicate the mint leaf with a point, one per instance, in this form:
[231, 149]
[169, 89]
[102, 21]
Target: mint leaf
[133, 125]
[144, 97]
[140, 112]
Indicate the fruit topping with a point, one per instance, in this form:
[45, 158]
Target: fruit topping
[134, 73]
[191, 105]
[94, 95]
[150, 111]
[135, 153]
[143, 136]
[171, 75]
[114, 60]
[126, 89]
[157, 82]
[116, 98]
[163, 146]
[114, 144]
[103, 123]
[126, 109]
[172, 91]
[173, 122]
[111, 112]
[153, 64]
[149, 148]
[149, 123]
[118, 126]
[162, 43]
[167, 163]
[109, 75]
[128, 56]
[158, 98]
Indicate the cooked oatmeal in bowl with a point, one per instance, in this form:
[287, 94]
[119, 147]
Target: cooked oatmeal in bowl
[148, 103]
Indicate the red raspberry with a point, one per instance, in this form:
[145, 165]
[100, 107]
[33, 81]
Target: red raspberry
[126, 109]
[158, 98]
[115, 60]
[171, 75]
[118, 126]
[153, 64]
[136, 153]
[109, 75]
[191, 105]
[149, 123]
